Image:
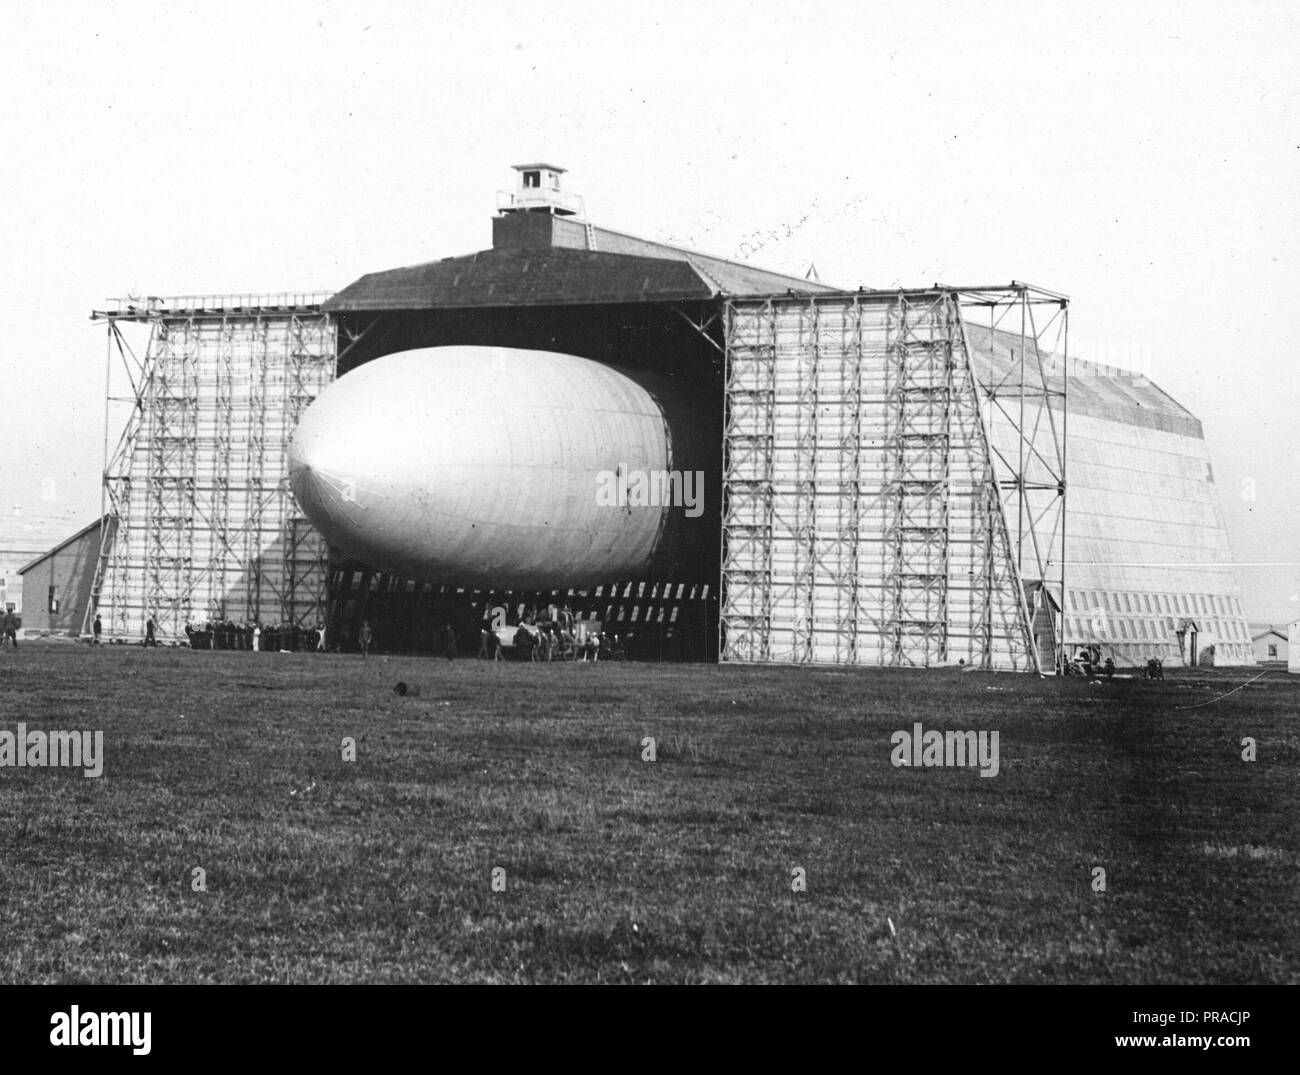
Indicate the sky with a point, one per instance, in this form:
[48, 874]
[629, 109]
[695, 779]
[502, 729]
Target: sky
[1143, 158]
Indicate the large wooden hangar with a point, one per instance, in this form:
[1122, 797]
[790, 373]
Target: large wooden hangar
[918, 477]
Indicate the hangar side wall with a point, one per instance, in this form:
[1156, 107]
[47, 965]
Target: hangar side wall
[1147, 548]
[861, 522]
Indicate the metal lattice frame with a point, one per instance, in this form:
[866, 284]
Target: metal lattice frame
[1024, 382]
[204, 526]
[749, 435]
[863, 515]
[920, 398]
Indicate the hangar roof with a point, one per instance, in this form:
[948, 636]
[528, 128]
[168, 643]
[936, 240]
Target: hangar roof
[546, 277]
[1094, 390]
[542, 260]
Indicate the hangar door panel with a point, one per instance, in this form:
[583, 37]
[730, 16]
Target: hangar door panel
[861, 524]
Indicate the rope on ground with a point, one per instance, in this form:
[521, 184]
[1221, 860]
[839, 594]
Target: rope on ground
[1225, 694]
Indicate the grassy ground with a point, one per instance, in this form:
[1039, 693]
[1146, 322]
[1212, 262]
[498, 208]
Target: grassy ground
[620, 870]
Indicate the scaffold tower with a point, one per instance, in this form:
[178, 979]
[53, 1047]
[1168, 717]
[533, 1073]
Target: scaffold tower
[884, 501]
[203, 525]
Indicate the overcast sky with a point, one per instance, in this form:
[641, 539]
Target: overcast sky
[1142, 158]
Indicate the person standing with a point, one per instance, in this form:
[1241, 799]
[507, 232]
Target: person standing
[365, 636]
[149, 628]
[523, 643]
[320, 638]
[98, 628]
[447, 642]
[257, 637]
[10, 625]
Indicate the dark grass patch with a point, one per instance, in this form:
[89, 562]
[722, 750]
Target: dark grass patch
[619, 870]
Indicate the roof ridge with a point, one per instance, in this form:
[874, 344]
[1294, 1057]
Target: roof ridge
[101, 520]
[692, 254]
[709, 278]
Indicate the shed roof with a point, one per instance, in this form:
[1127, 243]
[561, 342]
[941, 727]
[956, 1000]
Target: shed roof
[23, 536]
[62, 544]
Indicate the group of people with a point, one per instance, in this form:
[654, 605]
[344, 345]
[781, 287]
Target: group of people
[541, 635]
[273, 637]
[553, 642]
[1088, 661]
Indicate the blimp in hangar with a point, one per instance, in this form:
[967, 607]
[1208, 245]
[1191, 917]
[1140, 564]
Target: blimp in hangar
[537, 424]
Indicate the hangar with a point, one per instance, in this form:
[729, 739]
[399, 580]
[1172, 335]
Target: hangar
[892, 467]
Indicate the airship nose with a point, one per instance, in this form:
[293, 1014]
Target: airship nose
[483, 466]
[320, 481]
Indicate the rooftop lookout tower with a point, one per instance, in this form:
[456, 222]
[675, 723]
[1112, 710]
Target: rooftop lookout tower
[539, 192]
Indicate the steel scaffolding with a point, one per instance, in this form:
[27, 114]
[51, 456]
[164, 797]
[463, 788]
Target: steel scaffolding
[205, 527]
[1017, 337]
[867, 496]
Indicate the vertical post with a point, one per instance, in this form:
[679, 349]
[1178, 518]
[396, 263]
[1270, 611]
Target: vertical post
[812, 452]
[108, 377]
[1065, 456]
[1020, 473]
[97, 580]
[726, 311]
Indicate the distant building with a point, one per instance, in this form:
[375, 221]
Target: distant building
[1269, 643]
[22, 536]
[57, 584]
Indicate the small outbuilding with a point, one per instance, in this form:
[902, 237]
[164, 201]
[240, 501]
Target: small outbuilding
[57, 584]
[1269, 643]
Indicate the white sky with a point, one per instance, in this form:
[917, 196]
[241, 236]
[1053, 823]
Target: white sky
[1143, 158]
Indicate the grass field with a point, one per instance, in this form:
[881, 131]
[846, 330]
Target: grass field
[622, 870]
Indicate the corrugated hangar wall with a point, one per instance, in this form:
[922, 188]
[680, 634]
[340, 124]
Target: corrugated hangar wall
[1149, 567]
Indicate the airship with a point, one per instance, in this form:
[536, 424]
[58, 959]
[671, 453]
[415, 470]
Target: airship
[506, 468]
